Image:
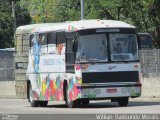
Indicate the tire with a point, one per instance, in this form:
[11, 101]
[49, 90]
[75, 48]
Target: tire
[33, 102]
[70, 104]
[36, 103]
[123, 101]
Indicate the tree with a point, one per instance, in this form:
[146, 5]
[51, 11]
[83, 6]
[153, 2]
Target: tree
[6, 25]
[154, 13]
[40, 10]
[6, 22]
[52, 10]
[22, 15]
[144, 14]
[130, 11]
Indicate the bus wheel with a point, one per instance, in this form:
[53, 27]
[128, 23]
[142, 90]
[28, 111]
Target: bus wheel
[123, 101]
[69, 103]
[33, 102]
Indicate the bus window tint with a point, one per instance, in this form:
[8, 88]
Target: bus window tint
[51, 40]
[31, 40]
[43, 39]
[92, 47]
[69, 52]
[61, 37]
[123, 47]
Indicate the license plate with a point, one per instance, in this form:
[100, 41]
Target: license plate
[111, 90]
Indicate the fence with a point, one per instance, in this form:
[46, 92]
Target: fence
[6, 64]
[150, 62]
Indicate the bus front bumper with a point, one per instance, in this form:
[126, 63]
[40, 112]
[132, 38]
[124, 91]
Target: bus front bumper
[110, 92]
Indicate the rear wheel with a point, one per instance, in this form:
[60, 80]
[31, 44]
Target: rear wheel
[69, 103]
[35, 103]
[123, 101]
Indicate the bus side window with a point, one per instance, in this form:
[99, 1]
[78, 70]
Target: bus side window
[51, 41]
[61, 40]
[69, 51]
[61, 37]
[70, 38]
[43, 42]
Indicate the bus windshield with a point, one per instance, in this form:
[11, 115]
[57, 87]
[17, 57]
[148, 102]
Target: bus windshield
[123, 47]
[92, 48]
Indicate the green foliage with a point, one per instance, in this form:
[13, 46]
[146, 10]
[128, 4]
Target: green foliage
[22, 15]
[6, 22]
[6, 26]
[154, 14]
[144, 14]
[52, 10]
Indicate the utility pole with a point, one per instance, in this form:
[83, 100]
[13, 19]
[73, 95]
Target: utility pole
[82, 9]
[14, 15]
[119, 9]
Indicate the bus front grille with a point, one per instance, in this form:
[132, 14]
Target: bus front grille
[104, 77]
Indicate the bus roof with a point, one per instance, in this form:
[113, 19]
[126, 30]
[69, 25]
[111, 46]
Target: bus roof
[90, 24]
[73, 26]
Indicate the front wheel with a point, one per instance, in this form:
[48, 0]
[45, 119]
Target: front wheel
[123, 101]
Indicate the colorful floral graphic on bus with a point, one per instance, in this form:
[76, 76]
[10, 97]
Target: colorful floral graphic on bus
[36, 53]
[74, 82]
[50, 86]
[52, 89]
[74, 93]
[72, 28]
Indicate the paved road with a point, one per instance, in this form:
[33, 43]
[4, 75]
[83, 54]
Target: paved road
[21, 106]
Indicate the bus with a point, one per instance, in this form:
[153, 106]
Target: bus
[78, 61]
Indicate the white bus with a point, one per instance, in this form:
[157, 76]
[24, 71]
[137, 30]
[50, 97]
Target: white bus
[84, 60]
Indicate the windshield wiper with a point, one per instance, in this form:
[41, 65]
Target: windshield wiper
[89, 60]
[122, 58]
[93, 60]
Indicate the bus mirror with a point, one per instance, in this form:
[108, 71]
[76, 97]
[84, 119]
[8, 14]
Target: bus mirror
[139, 42]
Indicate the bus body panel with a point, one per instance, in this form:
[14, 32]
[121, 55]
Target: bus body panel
[47, 73]
[111, 92]
[49, 86]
